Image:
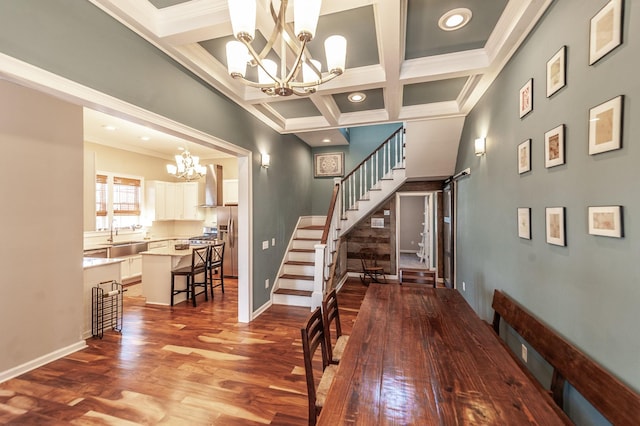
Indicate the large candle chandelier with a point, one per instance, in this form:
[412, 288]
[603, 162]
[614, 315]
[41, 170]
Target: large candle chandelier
[240, 52]
[187, 167]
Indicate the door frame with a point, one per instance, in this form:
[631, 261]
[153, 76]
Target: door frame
[27, 75]
[433, 200]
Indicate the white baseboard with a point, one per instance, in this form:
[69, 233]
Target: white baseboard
[262, 308]
[39, 362]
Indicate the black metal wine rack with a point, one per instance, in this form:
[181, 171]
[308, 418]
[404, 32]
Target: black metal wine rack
[106, 307]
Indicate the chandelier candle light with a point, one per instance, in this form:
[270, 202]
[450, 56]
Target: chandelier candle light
[240, 53]
[187, 167]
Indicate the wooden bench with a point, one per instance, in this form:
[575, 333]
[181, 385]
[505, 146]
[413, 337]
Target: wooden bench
[612, 398]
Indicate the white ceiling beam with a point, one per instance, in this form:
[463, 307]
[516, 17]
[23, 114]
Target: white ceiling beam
[390, 20]
[327, 107]
[437, 109]
[436, 67]
[194, 21]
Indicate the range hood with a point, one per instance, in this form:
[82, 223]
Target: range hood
[213, 186]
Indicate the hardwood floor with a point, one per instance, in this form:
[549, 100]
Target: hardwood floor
[177, 366]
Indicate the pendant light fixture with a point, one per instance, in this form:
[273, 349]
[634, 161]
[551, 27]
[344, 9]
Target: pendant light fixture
[286, 80]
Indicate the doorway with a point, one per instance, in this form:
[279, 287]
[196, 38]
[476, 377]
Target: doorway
[415, 231]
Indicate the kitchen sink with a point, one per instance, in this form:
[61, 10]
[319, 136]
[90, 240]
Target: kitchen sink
[127, 248]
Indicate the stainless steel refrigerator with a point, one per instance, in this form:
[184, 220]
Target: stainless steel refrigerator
[227, 232]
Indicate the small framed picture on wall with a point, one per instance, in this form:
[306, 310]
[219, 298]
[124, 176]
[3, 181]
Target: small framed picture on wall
[328, 165]
[605, 122]
[605, 32]
[554, 147]
[524, 156]
[526, 98]
[555, 226]
[524, 223]
[606, 221]
[556, 74]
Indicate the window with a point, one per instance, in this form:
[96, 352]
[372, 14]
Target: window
[101, 195]
[118, 200]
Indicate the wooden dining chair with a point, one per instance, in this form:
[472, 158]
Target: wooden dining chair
[197, 267]
[370, 269]
[313, 337]
[331, 315]
[215, 263]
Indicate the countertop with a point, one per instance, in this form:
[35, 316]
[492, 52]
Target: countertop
[92, 262]
[145, 240]
[171, 251]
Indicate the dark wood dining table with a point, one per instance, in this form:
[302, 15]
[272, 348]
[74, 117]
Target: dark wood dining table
[421, 356]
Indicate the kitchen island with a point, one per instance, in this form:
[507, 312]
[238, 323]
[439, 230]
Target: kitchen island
[156, 273]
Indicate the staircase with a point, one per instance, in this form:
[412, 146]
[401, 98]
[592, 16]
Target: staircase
[295, 282]
[306, 267]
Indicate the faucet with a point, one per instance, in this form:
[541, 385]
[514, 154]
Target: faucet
[110, 239]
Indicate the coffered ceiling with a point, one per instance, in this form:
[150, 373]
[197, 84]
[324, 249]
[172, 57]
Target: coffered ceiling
[397, 55]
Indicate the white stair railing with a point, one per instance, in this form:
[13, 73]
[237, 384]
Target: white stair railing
[367, 175]
[347, 192]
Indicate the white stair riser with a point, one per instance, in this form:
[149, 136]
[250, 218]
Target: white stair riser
[299, 269]
[309, 233]
[290, 300]
[298, 256]
[293, 284]
[304, 244]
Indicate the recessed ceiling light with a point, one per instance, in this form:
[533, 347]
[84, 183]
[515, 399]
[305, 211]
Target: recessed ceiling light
[109, 127]
[145, 138]
[356, 97]
[326, 140]
[455, 19]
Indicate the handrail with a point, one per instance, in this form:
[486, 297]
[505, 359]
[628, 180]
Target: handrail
[355, 169]
[332, 206]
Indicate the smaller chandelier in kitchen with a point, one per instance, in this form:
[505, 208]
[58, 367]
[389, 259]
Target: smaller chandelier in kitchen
[292, 49]
[187, 167]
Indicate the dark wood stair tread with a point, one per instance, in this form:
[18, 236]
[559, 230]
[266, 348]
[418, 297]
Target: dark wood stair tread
[313, 227]
[293, 292]
[298, 262]
[297, 277]
[299, 250]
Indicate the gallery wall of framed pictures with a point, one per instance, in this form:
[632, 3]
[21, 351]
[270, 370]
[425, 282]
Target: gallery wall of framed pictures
[604, 130]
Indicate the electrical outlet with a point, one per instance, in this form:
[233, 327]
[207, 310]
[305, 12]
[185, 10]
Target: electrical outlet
[464, 286]
[266, 283]
[524, 353]
[265, 245]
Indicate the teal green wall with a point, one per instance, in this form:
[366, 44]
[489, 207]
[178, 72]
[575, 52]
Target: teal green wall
[76, 40]
[362, 141]
[588, 291]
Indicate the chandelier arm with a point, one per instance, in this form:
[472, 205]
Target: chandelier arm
[254, 84]
[296, 65]
[329, 77]
[274, 34]
[258, 62]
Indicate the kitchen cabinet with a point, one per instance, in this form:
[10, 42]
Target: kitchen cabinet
[186, 201]
[131, 268]
[230, 191]
[172, 200]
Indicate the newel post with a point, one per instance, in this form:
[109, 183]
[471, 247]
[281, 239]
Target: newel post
[318, 276]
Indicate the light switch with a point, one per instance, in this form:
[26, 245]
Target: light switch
[273, 242]
[265, 245]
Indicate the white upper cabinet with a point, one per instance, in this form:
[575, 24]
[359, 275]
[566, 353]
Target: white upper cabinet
[172, 200]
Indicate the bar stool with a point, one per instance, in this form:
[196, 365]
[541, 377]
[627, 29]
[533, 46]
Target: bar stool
[198, 266]
[215, 262]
